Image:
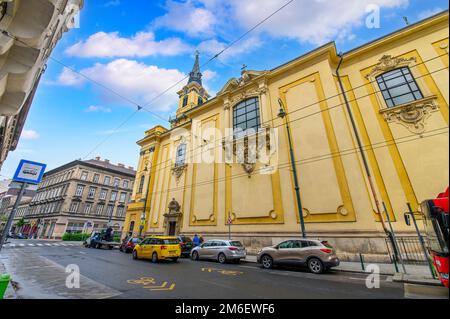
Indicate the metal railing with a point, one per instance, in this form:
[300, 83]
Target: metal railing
[410, 250]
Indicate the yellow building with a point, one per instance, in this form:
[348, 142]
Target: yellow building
[397, 93]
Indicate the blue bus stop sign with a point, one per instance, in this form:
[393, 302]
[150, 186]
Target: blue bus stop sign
[29, 172]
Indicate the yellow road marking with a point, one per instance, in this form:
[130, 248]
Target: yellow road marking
[223, 271]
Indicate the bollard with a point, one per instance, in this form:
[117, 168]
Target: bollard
[361, 258]
[4, 282]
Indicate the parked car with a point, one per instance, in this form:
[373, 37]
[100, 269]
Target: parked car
[158, 248]
[220, 250]
[318, 256]
[128, 245]
[17, 236]
[186, 245]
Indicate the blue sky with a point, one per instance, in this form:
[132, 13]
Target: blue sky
[139, 48]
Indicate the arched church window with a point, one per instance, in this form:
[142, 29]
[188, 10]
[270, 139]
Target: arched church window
[181, 155]
[185, 100]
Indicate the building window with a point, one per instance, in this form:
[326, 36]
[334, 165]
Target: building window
[87, 208]
[141, 184]
[126, 184]
[122, 197]
[96, 178]
[107, 180]
[110, 210]
[75, 228]
[113, 196]
[100, 209]
[103, 194]
[246, 119]
[200, 100]
[131, 228]
[92, 191]
[120, 211]
[399, 87]
[79, 191]
[185, 100]
[74, 207]
[181, 155]
[84, 176]
[116, 182]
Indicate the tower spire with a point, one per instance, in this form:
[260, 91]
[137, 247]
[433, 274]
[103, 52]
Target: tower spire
[196, 75]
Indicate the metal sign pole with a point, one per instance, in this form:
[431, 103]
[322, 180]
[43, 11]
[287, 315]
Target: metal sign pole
[11, 215]
[394, 239]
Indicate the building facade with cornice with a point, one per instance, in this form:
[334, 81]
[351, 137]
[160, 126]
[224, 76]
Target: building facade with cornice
[29, 31]
[395, 103]
[80, 197]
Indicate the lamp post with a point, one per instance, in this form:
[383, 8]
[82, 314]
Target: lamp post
[282, 115]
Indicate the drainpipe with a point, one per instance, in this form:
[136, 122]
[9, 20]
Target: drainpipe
[361, 149]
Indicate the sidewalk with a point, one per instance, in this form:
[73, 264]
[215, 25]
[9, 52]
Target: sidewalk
[416, 274]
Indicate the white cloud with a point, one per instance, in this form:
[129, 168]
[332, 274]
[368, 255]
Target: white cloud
[212, 47]
[98, 109]
[112, 3]
[430, 12]
[187, 17]
[138, 81]
[312, 21]
[109, 45]
[30, 135]
[70, 78]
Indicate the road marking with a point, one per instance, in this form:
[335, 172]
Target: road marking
[32, 245]
[55, 244]
[149, 283]
[22, 245]
[223, 271]
[12, 245]
[47, 244]
[40, 245]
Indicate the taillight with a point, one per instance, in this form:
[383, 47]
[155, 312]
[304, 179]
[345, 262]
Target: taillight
[182, 244]
[233, 248]
[163, 247]
[326, 251]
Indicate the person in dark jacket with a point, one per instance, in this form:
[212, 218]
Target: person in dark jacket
[109, 231]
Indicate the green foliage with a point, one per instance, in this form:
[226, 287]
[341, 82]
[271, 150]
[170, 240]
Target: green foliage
[75, 237]
[20, 223]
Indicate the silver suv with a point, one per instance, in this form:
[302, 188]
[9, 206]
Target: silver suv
[318, 256]
[220, 250]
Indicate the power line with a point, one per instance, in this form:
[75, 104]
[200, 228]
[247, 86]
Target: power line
[192, 152]
[312, 160]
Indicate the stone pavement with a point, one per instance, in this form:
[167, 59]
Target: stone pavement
[51, 283]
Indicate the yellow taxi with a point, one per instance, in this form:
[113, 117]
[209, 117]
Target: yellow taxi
[158, 248]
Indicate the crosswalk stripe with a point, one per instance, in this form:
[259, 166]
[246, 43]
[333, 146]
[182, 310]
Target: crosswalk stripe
[31, 245]
[40, 245]
[47, 245]
[12, 245]
[55, 244]
[22, 245]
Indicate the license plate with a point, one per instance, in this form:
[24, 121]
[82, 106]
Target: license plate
[172, 252]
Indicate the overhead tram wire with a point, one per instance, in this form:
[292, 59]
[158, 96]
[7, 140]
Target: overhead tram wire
[306, 161]
[144, 107]
[192, 152]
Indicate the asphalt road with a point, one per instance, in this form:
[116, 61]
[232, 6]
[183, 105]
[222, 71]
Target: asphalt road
[112, 274]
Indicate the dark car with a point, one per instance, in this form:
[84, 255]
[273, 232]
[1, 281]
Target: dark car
[128, 245]
[186, 245]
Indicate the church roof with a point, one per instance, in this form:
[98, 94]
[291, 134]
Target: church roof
[196, 75]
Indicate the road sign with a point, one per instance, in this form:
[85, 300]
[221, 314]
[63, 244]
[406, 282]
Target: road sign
[29, 172]
[230, 221]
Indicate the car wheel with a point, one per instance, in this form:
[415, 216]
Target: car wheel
[315, 265]
[267, 261]
[154, 258]
[175, 260]
[222, 258]
[120, 249]
[135, 254]
[195, 255]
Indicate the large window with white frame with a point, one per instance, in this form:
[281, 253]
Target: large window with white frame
[398, 87]
[246, 117]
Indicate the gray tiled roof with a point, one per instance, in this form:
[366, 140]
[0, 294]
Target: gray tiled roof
[109, 166]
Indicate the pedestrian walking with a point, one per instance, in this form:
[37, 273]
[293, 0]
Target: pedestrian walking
[196, 240]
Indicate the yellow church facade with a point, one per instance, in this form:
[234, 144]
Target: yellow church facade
[369, 134]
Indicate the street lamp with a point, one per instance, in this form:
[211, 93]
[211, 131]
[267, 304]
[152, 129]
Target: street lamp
[282, 115]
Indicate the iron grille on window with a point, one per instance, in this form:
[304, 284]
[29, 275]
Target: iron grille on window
[399, 87]
[246, 117]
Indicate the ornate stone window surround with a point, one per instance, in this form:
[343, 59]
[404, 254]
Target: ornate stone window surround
[177, 168]
[411, 115]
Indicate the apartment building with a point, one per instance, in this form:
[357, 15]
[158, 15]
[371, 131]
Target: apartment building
[81, 196]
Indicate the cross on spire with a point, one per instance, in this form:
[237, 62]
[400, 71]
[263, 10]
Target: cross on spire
[196, 75]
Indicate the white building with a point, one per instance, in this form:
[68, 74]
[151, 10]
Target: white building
[29, 30]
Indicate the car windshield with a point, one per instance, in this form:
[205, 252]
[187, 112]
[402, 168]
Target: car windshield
[171, 241]
[236, 243]
[136, 240]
